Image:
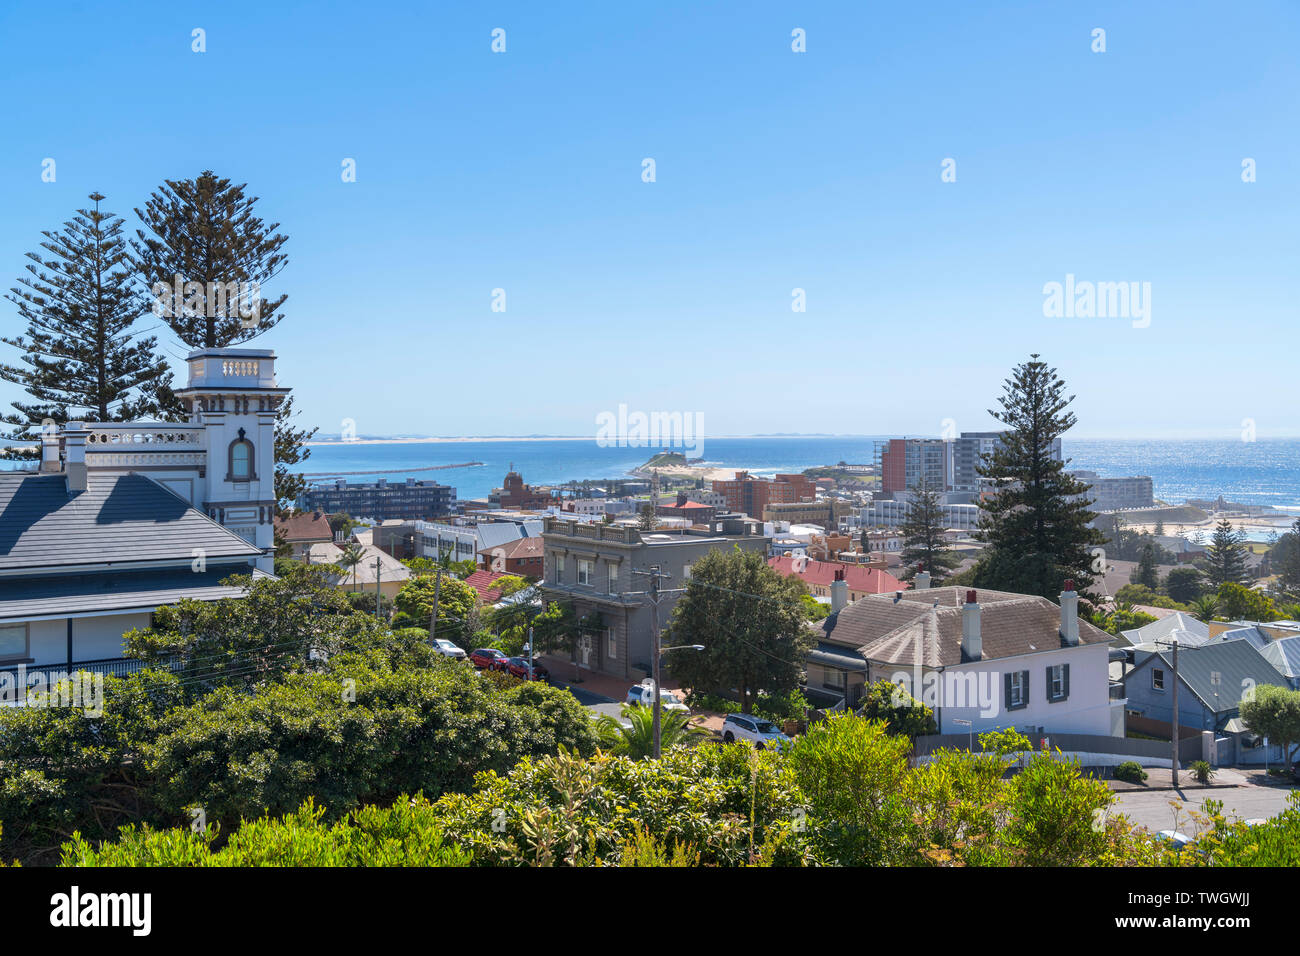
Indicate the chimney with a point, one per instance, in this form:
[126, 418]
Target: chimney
[49, 447]
[972, 645]
[1070, 614]
[74, 448]
[839, 592]
[922, 580]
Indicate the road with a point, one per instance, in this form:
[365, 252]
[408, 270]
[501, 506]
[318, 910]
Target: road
[1152, 809]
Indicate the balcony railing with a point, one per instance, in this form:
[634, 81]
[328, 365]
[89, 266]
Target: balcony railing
[28, 674]
[151, 437]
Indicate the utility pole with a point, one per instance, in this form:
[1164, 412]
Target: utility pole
[655, 596]
[433, 615]
[1173, 718]
[654, 643]
[1174, 723]
[530, 652]
[378, 565]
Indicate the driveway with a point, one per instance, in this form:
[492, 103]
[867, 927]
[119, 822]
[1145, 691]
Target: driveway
[1157, 809]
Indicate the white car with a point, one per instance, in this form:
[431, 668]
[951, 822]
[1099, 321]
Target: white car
[760, 732]
[645, 694]
[447, 649]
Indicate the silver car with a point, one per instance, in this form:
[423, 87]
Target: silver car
[447, 649]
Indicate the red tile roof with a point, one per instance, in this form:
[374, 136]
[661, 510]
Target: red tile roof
[482, 581]
[862, 579]
[530, 547]
[304, 526]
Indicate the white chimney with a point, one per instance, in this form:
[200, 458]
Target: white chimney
[839, 592]
[74, 450]
[972, 646]
[49, 447]
[922, 580]
[1070, 614]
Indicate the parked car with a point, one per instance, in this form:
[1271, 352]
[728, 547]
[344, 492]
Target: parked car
[448, 649]
[643, 694]
[488, 657]
[761, 732]
[1179, 840]
[1295, 772]
[518, 667]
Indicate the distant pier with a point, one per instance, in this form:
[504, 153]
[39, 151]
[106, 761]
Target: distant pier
[390, 471]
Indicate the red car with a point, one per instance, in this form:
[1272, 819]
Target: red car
[488, 657]
[518, 667]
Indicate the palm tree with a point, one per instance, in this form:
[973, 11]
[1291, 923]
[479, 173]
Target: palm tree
[637, 741]
[352, 555]
[1205, 607]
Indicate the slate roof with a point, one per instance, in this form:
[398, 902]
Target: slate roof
[118, 518]
[64, 594]
[890, 629]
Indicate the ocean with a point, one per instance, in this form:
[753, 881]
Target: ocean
[1262, 472]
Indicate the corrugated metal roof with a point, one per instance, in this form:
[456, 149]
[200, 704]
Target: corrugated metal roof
[118, 518]
[71, 594]
[1257, 638]
[831, 655]
[1284, 654]
[1190, 631]
[1238, 666]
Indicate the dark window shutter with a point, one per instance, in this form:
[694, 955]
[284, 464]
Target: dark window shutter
[1065, 681]
[1024, 701]
[1048, 685]
[1006, 697]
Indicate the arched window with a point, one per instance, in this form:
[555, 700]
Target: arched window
[241, 459]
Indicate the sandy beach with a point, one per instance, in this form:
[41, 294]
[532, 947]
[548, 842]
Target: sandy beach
[708, 473]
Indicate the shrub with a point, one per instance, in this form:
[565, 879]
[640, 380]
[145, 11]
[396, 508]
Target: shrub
[1130, 771]
[723, 803]
[405, 834]
[1202, 770]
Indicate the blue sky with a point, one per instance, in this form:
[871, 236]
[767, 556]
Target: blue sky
[775, 170]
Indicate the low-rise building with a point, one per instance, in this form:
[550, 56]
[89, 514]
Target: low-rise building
[301, 530]
[826, 512]
[522, 556]
[86, 558]
[592, 566]
[1212, 680]
[376, 568]
[860, 580]
[993, 659]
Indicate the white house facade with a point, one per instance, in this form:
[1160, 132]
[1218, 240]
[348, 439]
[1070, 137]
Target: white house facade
[120, 519]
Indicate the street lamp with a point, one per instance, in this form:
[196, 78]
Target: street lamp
[659, 656]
